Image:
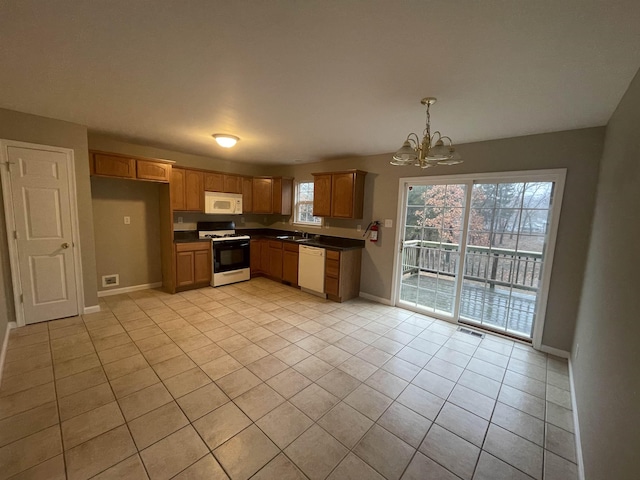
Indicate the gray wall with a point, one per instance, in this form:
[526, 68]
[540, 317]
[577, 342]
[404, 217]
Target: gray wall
[605, 366]
[47, 131]
[578, 151]
[132, 251]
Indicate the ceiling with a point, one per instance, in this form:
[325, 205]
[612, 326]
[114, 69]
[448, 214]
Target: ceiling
[307, 80]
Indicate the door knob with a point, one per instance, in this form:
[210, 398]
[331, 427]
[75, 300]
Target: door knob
[65, 245]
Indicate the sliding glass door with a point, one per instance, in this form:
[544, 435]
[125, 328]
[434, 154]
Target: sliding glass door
[474, 250]
[430, 247]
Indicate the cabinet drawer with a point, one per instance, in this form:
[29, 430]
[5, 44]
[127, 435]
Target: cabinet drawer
[333, 255]
[192, 246]
[332, 268]
[290, 247]
[155, 171]
[275, 244]
[331, 286]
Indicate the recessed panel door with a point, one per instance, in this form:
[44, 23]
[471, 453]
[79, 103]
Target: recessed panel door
[45, 247]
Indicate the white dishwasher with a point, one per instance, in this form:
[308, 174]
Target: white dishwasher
[311, 269]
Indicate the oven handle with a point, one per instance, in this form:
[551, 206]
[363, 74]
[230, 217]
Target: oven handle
[232, 245]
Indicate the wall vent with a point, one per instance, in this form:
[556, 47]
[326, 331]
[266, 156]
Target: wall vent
[111, 280]
[470, 332]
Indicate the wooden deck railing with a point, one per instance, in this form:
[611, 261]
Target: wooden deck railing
[496, 266]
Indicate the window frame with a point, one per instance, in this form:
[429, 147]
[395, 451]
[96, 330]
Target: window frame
[296, 207]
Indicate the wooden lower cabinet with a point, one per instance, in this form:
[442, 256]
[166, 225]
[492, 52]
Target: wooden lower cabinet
[290, 263]
[264, 256]
[342, 274]
[193, 265]
[275, 259]
[254, 257]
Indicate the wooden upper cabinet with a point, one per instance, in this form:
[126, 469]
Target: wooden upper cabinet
[221, 182]
[156, 171]
[322, 195]
[262, 194]
[247, 195]
[194, 191]
[122, 166]
[114, 166]
[187, 190]
[282, 195]
[339, 194]
[177, 189]
[232, 184]
[214, 182]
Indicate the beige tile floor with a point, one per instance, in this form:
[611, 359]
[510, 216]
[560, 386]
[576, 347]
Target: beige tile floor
[259, 380]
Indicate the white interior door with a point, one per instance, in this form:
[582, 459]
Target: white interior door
[40, 206]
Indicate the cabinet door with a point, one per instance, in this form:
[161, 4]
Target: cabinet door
[342, 188]
[194, 191]
[264, 256]
[156, 171]
[277, 195]
[262, 194]
[287, 196]
[254, 256]
[290, 267]
[202, 266]
[232, 184]
[185, 271]
[114, 166]
[247, 195]
[275, 260]
[322, 195]
[177, 189]
[214, 182]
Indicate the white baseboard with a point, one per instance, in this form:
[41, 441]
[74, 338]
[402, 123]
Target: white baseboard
[555, 351]
[373, 298]
[576, 424]
[134, 288]
[5, 344]
[91, 309]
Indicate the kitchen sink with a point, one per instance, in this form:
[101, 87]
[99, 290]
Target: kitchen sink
[297, 238]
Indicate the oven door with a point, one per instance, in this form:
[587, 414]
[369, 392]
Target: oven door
[230, 255]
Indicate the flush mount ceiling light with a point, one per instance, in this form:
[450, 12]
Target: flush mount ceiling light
[431, 150]
[224, 140]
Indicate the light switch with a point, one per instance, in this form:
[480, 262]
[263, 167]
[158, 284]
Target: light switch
[127, 220]
[388, 223]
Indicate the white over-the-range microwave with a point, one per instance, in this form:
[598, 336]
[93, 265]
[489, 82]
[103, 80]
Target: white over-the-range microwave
[223, 203]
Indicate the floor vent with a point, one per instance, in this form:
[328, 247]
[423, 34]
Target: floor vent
[470, 332]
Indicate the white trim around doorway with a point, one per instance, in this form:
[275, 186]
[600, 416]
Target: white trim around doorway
[10, 222]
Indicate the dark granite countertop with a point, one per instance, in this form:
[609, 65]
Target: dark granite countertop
[320, 241]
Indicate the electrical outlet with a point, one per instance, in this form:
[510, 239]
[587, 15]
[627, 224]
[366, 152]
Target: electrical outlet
[388, 223]
[241, 219]
[179, 219]
[127, 220]
[358, 228]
